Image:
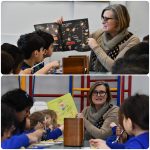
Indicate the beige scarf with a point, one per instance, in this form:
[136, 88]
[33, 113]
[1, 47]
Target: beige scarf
[107, 44]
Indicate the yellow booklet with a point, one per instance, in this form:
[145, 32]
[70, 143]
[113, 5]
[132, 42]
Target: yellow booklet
[64, 106]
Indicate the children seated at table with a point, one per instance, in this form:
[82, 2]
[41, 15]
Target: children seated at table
[32, 45]
[10, 141]
[134, 114]
[40, 120]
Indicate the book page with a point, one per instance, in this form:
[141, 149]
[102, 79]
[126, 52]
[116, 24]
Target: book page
[75, 34]
[54, 30]
[64, 106]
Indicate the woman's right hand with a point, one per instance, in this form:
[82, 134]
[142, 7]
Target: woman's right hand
[60, 20]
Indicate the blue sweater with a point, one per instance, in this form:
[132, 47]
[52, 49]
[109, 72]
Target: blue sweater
[136, 142]
[15, 142]
[52, 134]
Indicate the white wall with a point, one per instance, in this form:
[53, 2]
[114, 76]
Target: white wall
[18, 17]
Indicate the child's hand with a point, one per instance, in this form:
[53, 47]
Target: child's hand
[39, 126]
[26, 71]
[61, 127]
[35, 136]
[60, 20]
[55, 64]
[98, 143]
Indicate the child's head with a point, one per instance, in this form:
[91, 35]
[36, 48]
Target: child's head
[17, 55]
[134, 113]
[6, 68]
[49, 40]
[53, 117]
[20, 101]
[32, 46]
[7, 121]
[37, 118]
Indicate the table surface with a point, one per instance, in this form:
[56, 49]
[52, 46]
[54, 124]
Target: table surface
[59, 146]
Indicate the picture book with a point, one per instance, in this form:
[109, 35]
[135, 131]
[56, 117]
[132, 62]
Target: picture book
[70, 35]
[64, 106]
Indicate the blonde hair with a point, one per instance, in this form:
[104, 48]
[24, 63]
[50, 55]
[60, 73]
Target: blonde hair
[53, 116]
[121, 14]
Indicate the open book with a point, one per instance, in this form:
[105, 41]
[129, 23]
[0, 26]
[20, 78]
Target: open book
[71, 35]
[64, 106]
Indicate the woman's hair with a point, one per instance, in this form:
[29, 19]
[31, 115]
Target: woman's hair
[8, 118]
[137, 109]
[18, 99]
[93, 88]
[121, 14]
[53, 116]
[35, 118]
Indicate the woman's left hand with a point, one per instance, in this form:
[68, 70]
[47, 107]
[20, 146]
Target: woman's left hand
[80, 115]
[92, 43]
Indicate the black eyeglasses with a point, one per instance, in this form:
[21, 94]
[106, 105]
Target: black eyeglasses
[106, 18]
[99, 93]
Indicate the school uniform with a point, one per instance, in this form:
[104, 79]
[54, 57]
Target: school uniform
[51, 134]
[15, 142]
[138, 142]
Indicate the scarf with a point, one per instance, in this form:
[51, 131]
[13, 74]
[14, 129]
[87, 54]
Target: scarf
[93, 116]
[111, 47]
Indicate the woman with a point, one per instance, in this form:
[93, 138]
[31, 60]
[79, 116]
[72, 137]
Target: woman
[111, 42]
[134, 122]
[98, 116]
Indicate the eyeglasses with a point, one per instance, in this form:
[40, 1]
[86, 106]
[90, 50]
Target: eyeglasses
[99, 93]
[106, 18]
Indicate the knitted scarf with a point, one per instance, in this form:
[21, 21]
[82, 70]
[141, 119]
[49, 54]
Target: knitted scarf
[93, 115]
[111, 47]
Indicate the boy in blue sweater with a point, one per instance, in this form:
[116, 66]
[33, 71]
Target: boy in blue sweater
[134, 117]
[8, 126]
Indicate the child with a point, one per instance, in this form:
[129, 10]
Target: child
[6, 68]
[49, 40]
[21, 102]
[135, 120]
[32, 45]
[40, 120]
[8, 125]
[51, 114]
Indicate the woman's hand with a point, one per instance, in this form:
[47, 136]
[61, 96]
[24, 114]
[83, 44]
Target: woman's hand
[98, 143]
[60, 20]
[80, 115]
[92, 43]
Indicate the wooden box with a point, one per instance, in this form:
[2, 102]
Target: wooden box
[76, 65]
[73, 132]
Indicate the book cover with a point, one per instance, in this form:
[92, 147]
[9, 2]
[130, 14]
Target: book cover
[64, 106]
[71, 35]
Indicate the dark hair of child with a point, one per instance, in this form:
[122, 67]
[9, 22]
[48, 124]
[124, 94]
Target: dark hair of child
[48, 38]
[17, 99]
[137, 109]
[30, 42]
[35, 118]
[6, 68]
[7, 118]
[16, 54]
